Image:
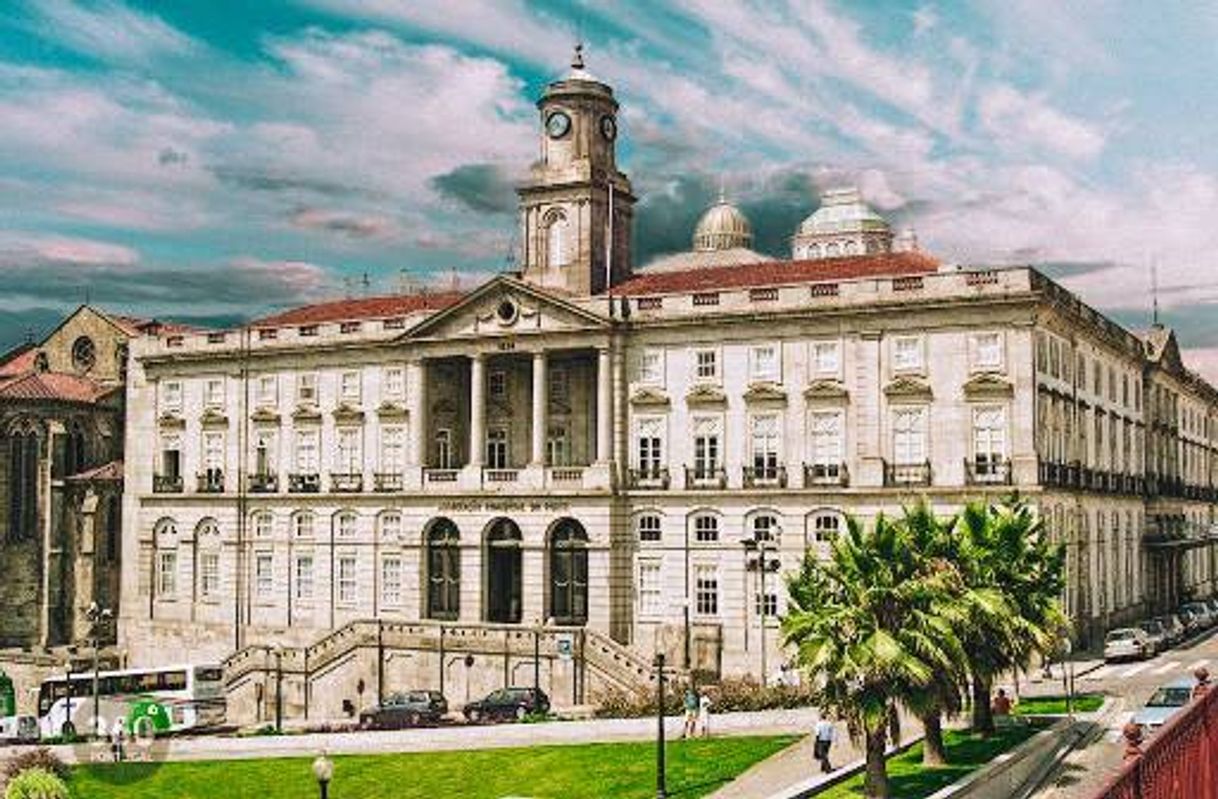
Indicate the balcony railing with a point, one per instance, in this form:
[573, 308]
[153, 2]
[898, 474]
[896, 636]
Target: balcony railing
[987, 472]
[567, 474]
[346, 482]
[167, 484]
[649, 477]
[501, 475]
[705, 477]
[907, 474]
[774, 476]
[440, 475]
[385, 482]
[264, 483]
[304, 483]
[1050, 474]
[211, 482]
[826, 475]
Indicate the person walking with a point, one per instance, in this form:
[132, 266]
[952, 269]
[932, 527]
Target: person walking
[704, 706]
[1203, 682]
[825, 733]
[691, 712]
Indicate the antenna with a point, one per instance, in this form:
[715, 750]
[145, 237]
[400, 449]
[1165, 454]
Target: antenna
[1154, 291]
[365, 284]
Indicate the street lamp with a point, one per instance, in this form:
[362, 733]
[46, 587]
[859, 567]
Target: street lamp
[323, 770]
[762, 546]
[97, 616]
[661, 787]
[279, 690]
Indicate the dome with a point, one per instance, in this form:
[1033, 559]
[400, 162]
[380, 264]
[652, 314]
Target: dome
[842, 211]
[722, 227]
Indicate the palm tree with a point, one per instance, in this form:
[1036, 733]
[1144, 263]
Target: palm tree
[1004, 549]
[868, 632]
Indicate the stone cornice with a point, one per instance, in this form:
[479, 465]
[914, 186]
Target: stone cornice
[908, 387]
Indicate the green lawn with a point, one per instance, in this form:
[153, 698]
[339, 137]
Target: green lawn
[1056, 705]
[965, 751]
[695, 768]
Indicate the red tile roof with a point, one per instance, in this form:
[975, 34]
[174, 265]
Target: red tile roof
[134, 325]
[53, 386]
[109, 471]
[777, 273]
[19, 364]
[362, 308]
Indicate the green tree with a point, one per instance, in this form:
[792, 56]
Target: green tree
[1004, 549]
[870, 633]
[36, 783]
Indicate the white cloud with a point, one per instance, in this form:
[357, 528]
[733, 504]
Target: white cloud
[24, 248]
[1021, 119]
[107, 29]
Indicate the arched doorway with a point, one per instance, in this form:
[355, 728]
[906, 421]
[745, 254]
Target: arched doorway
[443, 570]
[568, 572]
[503, 572]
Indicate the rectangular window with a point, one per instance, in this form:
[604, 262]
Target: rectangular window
[213, 393]
[209, 574]
[391, 581]
[213, 456]
[444, 448]
[706, 590]
[767, 604]
[989, 439]
[826, 358]
[265, 449]
[651, 590]
[304, 577]
[394, 384]
[346, 579]
[263, 525]
[765, 446]
[763, 364]
[649, 528]
[302, 525]
[651, 367]
[558, 385]
[825, 527]
[706, 529]
[706, 366]
[306, 451]
[558, 446]
[827, 445]
[906, 354]
[264, 575]
[171, 456]
[909, 436]
[347, 458]
[497, 448]
[171, 396]
[987, 352]
[346, 525]
[306, 388]
[392, 450]
[391, 527]
[268, 391]
[707, 449]
[167, 573]
[649, 445]
[497, 384]
[349, 388]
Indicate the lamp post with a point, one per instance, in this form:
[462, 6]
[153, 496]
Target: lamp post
[279, 690]
[323, 770]
[762, 547]
[537, 657]
[661, 786]
[97, 616]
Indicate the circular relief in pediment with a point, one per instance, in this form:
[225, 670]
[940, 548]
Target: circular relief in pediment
[507, 311]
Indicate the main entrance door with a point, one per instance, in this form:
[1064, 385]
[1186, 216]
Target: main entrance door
[503, 572]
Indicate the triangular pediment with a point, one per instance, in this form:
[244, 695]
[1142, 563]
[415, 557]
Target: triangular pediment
[905, 386]
[505, 306]
[705, 395]
[988, 385]
[826, 390]
[765, 392]
[649, 396]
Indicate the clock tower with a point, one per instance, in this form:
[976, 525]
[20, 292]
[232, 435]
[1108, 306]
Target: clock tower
[576, 209]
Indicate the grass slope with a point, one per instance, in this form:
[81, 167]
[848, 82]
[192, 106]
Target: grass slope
[1056, 705]
[965, 752]
[593, 771]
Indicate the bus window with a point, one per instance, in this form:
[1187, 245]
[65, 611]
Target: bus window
[209, 674]
[173, 681]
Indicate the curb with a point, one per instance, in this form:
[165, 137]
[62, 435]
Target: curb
[814, 785]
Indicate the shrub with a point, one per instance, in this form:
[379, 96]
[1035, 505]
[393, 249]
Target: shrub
[36, 783]
[41, 758]
[728, 695]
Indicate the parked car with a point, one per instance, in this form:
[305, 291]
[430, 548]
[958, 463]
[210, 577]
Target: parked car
[1212, 604]
[508, 703]
[1157, 634]
[1163, 704]
[1195, 619]
[1125, 643]
[1175, 628]
[1203, 612]
[405, 709]
[19, 730]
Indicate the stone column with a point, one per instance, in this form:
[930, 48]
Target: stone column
[541, 407]
[417, 386]
[604, 415]
[477, 408]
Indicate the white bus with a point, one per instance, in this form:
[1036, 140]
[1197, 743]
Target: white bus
[154, 700]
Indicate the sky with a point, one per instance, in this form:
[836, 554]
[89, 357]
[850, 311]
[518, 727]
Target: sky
[213, 160]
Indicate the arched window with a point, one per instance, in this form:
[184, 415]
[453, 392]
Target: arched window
[302, 524]
[764, 527]
[557, 246]
[649, 527]
[831, 250]
[390, 525]
[504, 585]
[706, 528]
[569, 572]
[207, 569]
[263, 524]
[76, 456]
[23, 449]
[114, 527]
[165, 565]
[443, 570]
[345, 524]
[824, 526]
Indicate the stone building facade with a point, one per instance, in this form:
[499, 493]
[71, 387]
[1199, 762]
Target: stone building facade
[611, 473]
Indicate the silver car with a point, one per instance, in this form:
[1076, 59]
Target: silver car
[1127, 643]
[1164, 704]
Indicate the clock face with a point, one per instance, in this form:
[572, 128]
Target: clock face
[558, 124]
[608, 128]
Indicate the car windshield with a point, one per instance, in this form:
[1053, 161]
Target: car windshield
[1170, 697]
[1120, 635]
[1152, 627]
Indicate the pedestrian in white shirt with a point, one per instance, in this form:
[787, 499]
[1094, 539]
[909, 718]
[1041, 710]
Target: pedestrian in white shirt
[704, 706]
[825, 734]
